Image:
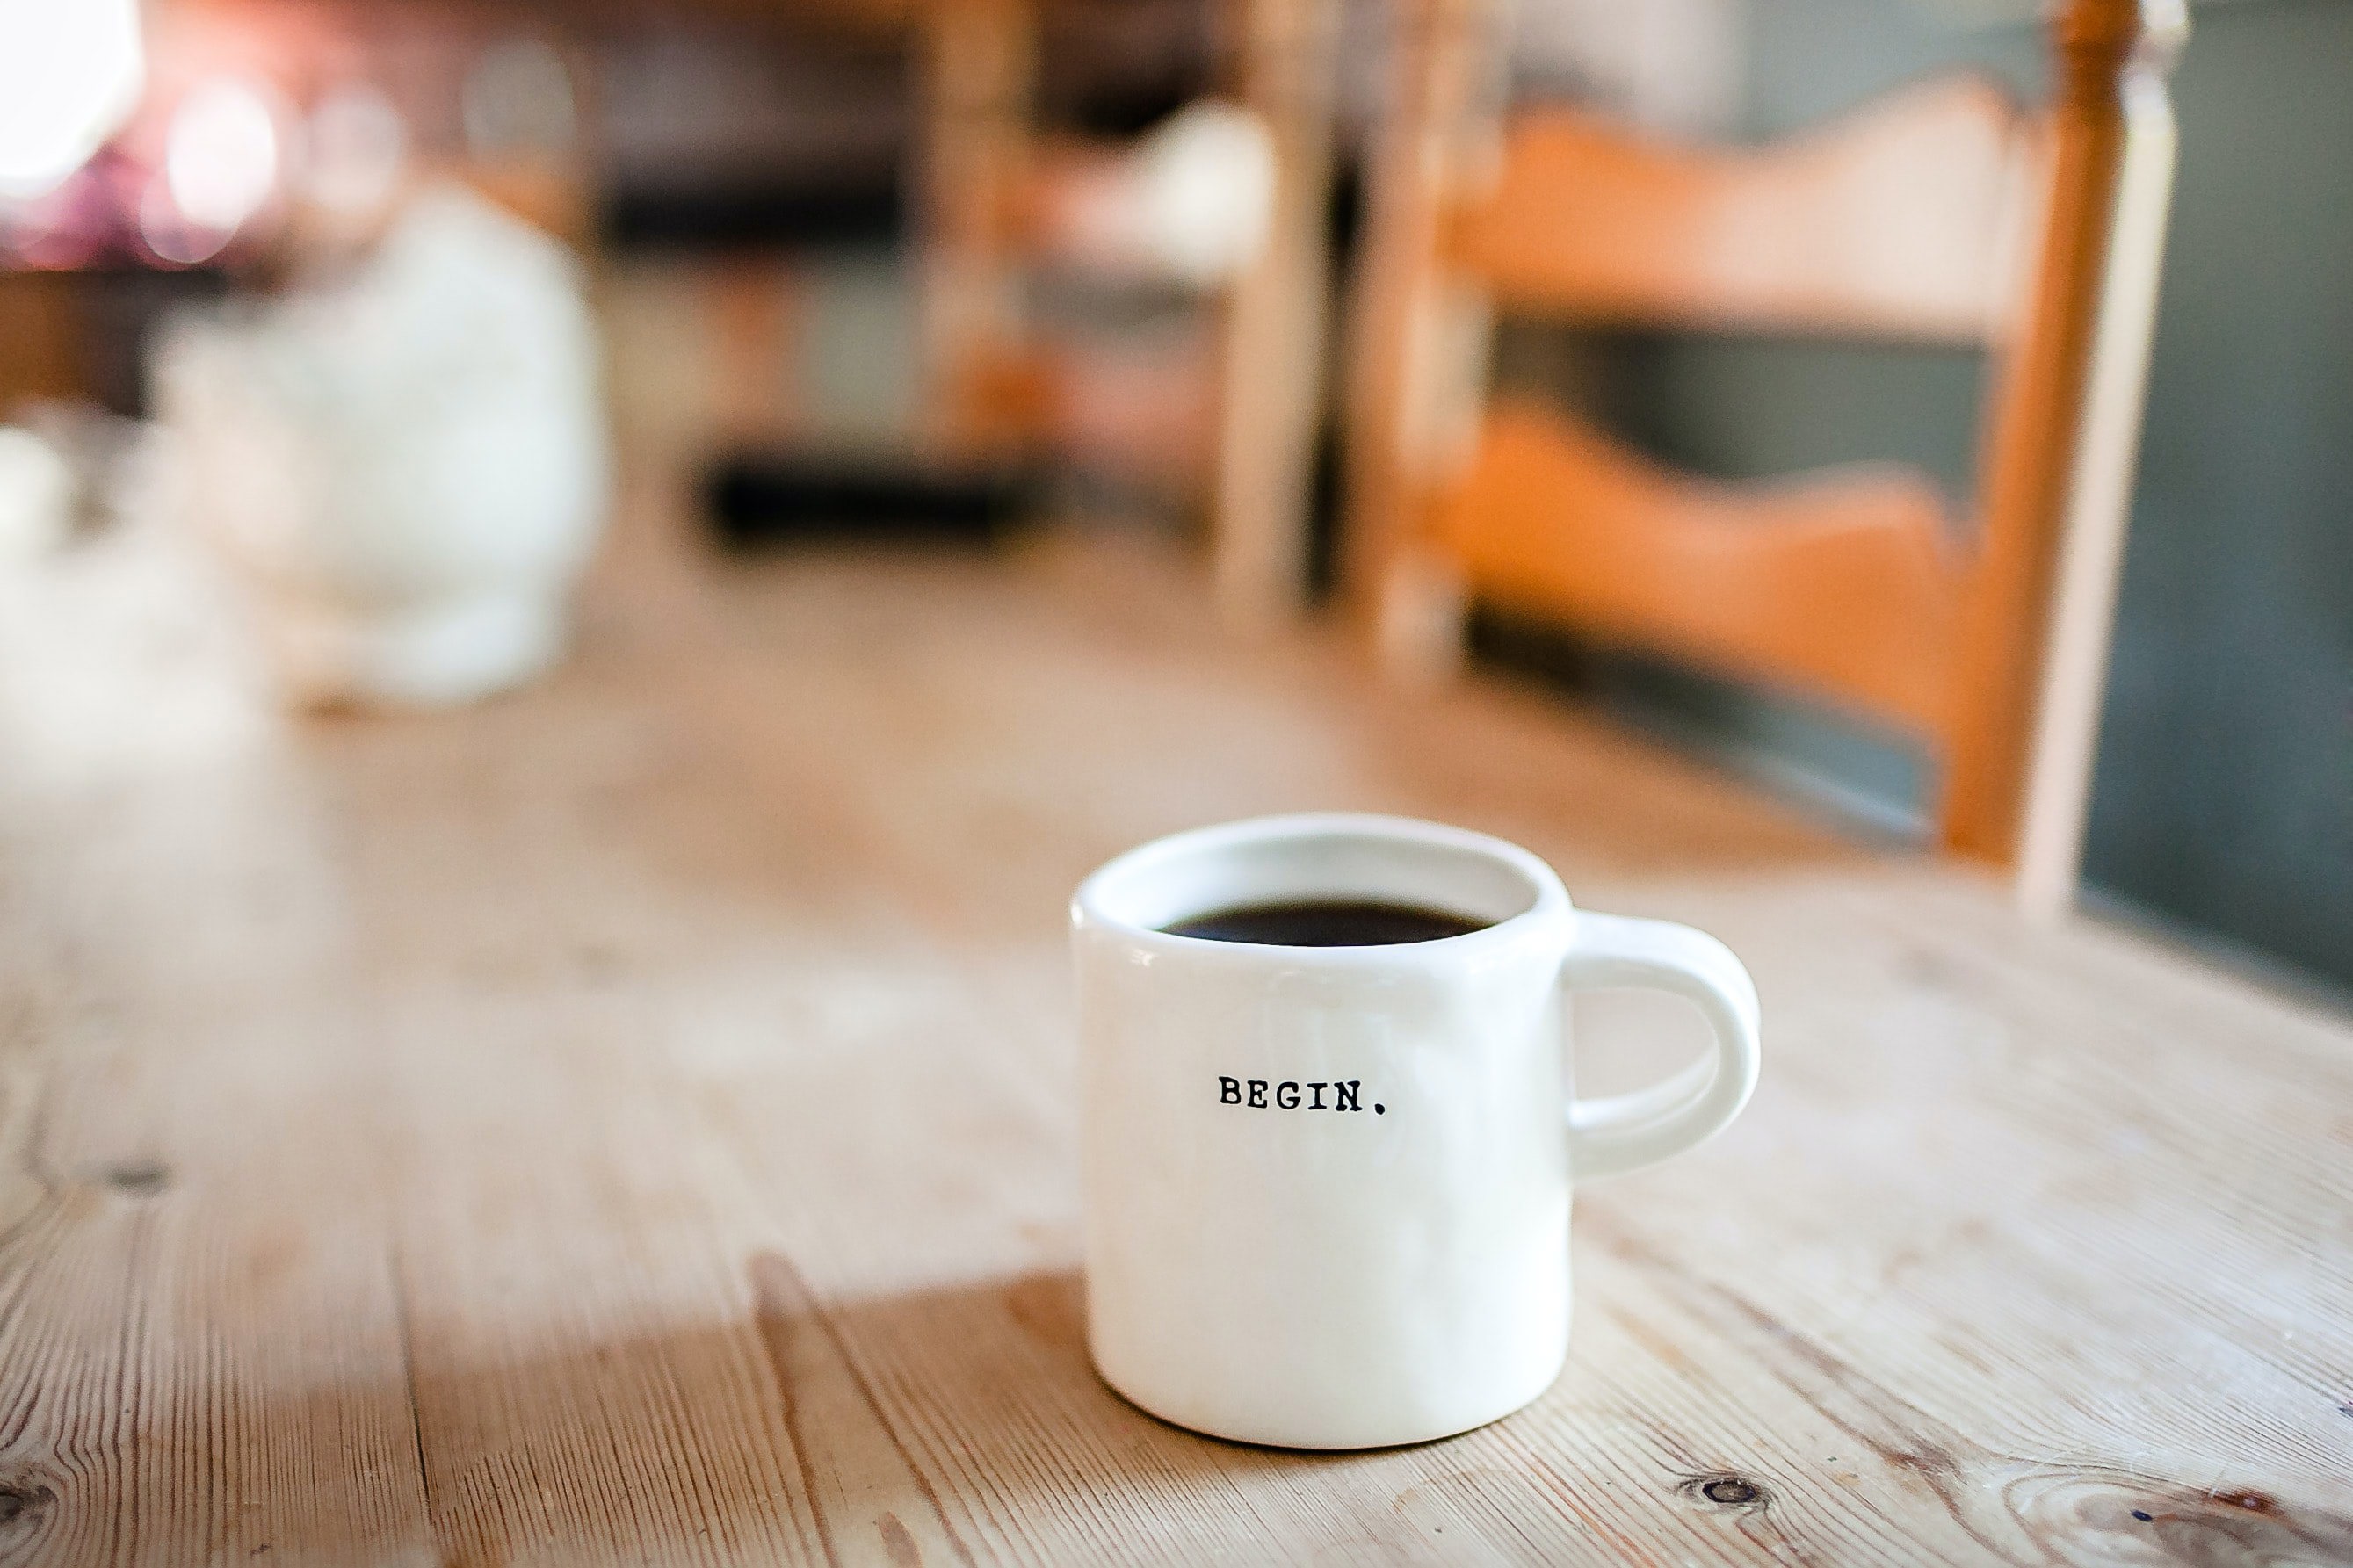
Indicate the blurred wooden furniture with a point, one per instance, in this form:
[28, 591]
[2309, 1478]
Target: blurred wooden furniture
[634, 1121]
[556, 196]
[551, 182]
[40, 347]
[1938, 214]
[1000, 199]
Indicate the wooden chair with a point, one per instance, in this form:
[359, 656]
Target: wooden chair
[1939, 215]
[1000, 199]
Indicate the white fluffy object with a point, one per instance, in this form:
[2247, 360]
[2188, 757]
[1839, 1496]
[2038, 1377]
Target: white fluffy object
[36, 495]
[412, 463]
[1204, 179]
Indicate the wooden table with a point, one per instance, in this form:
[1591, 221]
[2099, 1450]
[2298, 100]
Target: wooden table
[632, 1121]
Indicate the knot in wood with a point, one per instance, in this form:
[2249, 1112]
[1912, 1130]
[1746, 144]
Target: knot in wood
[140, 1178]
[1726, 1488]
[21, 1501]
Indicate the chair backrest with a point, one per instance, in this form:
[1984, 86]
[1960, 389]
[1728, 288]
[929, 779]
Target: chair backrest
[1001, 199]
[1941, 214]
[1891, 223]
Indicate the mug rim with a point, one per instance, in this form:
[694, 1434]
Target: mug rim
[1549, 904]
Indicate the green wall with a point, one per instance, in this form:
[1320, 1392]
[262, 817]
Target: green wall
[2225, 789]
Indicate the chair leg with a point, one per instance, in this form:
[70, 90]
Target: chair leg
[1421, 618]
[975, 67]
[1272, 392]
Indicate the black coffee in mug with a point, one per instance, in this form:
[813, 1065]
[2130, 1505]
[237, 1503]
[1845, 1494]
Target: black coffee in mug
[1327, 922]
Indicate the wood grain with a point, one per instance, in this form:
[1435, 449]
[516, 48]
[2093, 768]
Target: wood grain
[632, 1121]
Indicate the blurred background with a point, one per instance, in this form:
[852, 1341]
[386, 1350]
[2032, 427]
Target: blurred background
[453, 277]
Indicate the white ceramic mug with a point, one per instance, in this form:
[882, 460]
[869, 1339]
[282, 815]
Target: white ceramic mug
[1327, 1188]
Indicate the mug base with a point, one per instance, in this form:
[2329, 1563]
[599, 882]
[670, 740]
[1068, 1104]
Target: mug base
[1309, 1437]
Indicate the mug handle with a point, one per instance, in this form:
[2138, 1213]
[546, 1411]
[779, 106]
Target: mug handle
[1622, 1132]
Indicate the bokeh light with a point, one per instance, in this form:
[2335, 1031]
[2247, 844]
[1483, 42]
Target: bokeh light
[169, 234]
[221, 155]
[71, 72]
[355, 151]
[519, 99]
